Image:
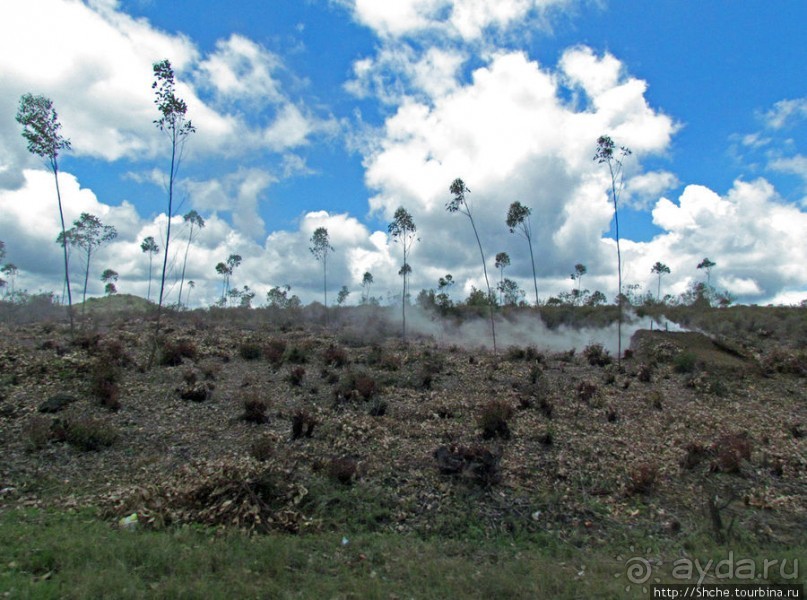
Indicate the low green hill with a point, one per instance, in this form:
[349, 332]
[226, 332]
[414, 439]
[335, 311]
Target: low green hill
[115, 303]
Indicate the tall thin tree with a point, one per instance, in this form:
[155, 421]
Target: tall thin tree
[579, 270]
[502, 262]
[194, 219]
[89, 234]
[320, 248]
[173, 123]
[518, 219]
[109, 277]
[403, 231]
[366, 282]
[659, 269]
[41, 128]
[460, 204]
[150, 247]
[607, 153]
[191, 285]
[707, 265]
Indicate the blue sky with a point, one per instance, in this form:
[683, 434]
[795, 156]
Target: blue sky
[335, 112]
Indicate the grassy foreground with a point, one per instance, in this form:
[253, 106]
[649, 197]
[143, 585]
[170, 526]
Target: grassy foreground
[47, 554]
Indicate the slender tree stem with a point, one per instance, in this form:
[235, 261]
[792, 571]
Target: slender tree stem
[487, 281]
[86, 279]
[55, 168]
[532, 261]
[184, 264]
[618, 262]
[168, 229]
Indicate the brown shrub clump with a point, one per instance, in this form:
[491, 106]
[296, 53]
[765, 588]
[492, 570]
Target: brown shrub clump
[296, 375]
[475, 463]
[695, 454]
[642, 478]
[104, 379]
[343, 470]
[262, 449]
[335, 356]
[255, 411]
[274, 351]
[173, 351]
[597, 355]
[302, 424]
[493, 419]
[586, 390]
[730, 450]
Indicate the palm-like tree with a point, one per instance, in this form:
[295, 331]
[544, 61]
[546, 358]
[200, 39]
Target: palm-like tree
[659, 269]
[518, 220]
[149, 246]
[460, 204]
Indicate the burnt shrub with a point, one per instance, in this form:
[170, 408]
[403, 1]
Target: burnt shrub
[547, 438]
[597, 355]
[493, 419]
[196, 393]
[250, 350]
[365, 386]
[343, 470]
[515, 353]
[645, 373]
[113, 350]
[335, 356]
[378, 408]
[355, 386]
[586, 391]
[382, 359]
[444, 411]
[784, 361]
[476, 463]
[302, 424]
[104, 383]
[262, 449]
[546, 407]
[656, 399]
[190, 376]
[296, 375]
[296, 355]
[173, 351]
[255, 410]
[695, 454]
[730, 450]
[86, 340]
[88, 434]
[274, 350]
[642, 478]
[685, 362]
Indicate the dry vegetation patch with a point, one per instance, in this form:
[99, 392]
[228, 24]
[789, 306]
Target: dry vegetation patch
[285, 429]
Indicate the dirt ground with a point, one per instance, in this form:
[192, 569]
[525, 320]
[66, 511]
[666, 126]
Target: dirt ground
[690, 433]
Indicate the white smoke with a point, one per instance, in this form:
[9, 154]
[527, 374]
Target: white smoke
[527, 330]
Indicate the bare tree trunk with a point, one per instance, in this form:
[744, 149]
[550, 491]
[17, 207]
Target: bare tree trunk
[487, 283]
[167, 240]
[184, 264]
[64, 248]
[534, 276]
[619, 266]
[86, 279]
